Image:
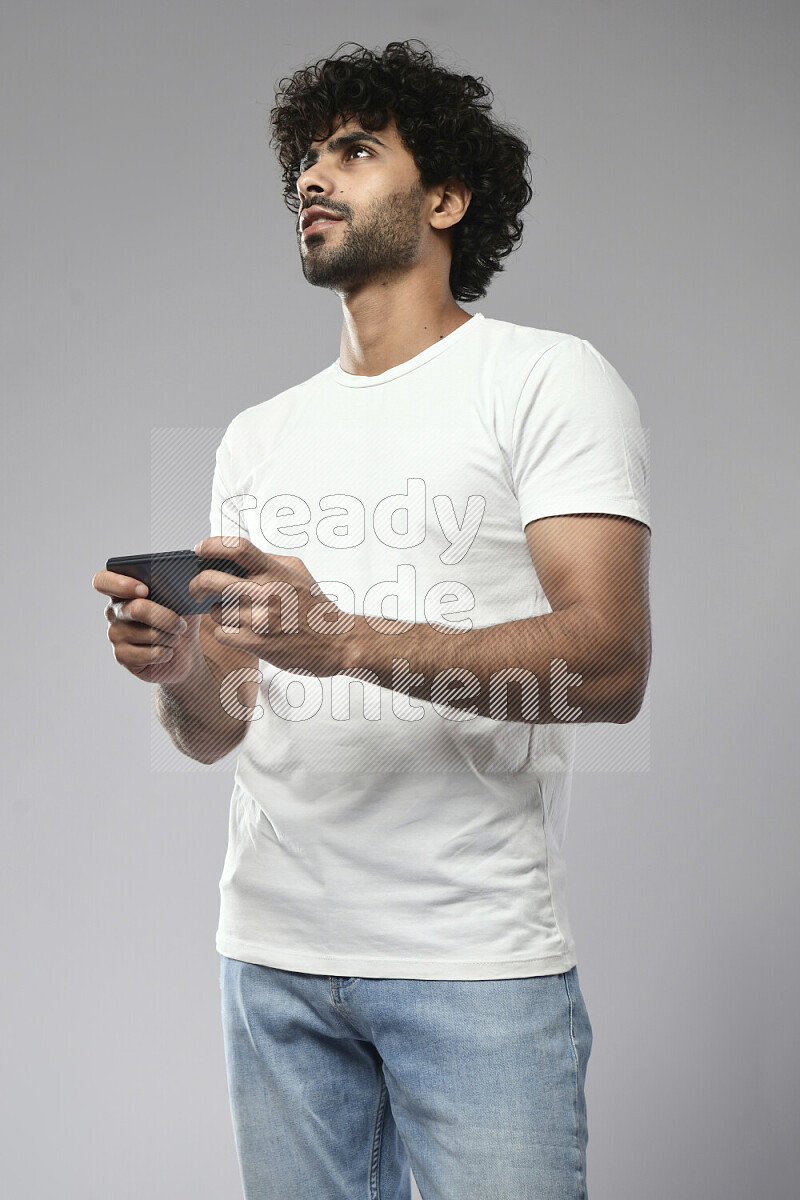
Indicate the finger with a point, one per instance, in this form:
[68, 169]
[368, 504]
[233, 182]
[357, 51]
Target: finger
[216, 583]
[136, 658]
[136, 634]
[149, 613]
[244, 552]
[118, 586]
[242, 638]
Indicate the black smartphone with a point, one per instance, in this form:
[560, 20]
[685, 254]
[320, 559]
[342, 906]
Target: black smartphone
[167, 576]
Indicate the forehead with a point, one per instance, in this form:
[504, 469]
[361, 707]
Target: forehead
[351, 125]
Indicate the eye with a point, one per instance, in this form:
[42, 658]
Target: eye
[356, 146]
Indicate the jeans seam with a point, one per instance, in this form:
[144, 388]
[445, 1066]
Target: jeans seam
[577, 1082]
[377, 1143]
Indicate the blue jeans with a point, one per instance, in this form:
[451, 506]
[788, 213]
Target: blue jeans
[337, 1085]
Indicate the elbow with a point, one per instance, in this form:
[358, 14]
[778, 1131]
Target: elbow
[627, 688]
[208, 754]
[208, 748]
[628, 707]
[630, 698]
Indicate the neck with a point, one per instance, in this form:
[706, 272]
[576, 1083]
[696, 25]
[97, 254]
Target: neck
[385, 325]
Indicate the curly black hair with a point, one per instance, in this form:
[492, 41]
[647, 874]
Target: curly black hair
[444, 121]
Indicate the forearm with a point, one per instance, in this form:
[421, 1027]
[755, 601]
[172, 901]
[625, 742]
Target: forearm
[194, 716]
[566, 665]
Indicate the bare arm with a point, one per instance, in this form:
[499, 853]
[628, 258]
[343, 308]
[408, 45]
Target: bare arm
[192, 710]
[593, 568]
[193, 672]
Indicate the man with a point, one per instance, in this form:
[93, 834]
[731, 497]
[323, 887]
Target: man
[398, 974]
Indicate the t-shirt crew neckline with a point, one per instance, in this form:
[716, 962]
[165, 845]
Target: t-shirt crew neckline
[411, 364]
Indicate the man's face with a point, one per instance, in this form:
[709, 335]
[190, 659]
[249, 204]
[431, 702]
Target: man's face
[371, 183]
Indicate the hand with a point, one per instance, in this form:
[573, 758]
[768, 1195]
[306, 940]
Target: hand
[301, 630]
[149, 640]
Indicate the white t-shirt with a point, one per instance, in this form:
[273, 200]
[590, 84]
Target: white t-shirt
[372, 833]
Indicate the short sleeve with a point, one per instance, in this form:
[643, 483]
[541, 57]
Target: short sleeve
[577, 442]
[228, 513]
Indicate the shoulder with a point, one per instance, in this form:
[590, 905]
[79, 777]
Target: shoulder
[526, 357]
[521, 345]
[251, 422]
[551, 366]
[548, 367]
[530, 345]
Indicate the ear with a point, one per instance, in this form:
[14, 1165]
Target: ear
[451, 200]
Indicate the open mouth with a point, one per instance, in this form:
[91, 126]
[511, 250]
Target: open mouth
[317, 218]
[320, 223]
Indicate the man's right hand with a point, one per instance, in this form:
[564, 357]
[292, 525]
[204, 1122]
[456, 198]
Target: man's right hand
[150, 641]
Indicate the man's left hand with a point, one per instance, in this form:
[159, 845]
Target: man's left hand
[301, 630]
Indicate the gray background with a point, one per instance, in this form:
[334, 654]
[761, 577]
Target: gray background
[152, 281]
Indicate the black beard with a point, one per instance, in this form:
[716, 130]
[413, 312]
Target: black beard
[385, 241]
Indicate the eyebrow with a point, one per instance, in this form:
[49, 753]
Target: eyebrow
[346, 139]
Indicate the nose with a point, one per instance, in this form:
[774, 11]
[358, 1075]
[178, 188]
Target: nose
[312, 181]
